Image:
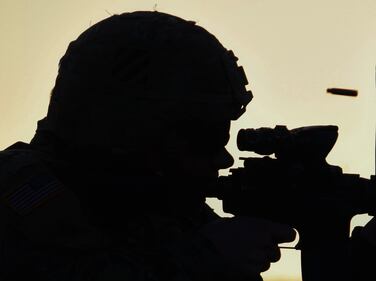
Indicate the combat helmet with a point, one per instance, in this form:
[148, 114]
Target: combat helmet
[126, 77]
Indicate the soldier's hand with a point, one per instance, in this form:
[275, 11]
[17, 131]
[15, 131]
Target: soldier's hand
[363, 251]
[368, 232]
[249, 245]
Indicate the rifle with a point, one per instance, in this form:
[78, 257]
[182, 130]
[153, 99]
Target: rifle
[299, 188]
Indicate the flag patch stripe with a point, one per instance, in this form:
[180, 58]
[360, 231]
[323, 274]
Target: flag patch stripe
[23, 192]
[29, 195]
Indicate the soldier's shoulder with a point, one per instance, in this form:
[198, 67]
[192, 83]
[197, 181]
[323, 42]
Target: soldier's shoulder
[16, 156]
[26, 180]
[17, 162]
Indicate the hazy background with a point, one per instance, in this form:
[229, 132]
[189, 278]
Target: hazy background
[291, 50]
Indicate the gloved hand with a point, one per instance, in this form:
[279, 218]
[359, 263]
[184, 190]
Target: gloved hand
[368, 232]
[362, 251]
[248, 245]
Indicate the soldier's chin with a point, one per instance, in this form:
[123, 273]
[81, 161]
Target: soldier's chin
[196, 182]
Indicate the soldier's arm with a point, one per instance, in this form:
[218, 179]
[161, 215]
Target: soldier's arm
[66, 247]
[78, 252]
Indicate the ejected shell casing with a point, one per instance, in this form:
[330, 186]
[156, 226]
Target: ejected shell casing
[342, 92]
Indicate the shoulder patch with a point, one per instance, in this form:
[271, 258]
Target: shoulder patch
[25, 182]
[32, 193]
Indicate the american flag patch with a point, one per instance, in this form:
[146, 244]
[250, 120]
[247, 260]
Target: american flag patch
[34, 192]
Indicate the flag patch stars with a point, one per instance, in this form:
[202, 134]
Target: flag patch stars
[34, 192]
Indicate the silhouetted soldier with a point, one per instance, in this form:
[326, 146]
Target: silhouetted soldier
[112, 186]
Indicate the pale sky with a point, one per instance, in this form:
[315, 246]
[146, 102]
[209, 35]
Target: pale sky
[291, 50]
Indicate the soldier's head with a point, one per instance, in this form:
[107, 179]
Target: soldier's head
[144, 82]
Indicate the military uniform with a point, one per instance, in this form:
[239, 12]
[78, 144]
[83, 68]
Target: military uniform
[54, 229]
